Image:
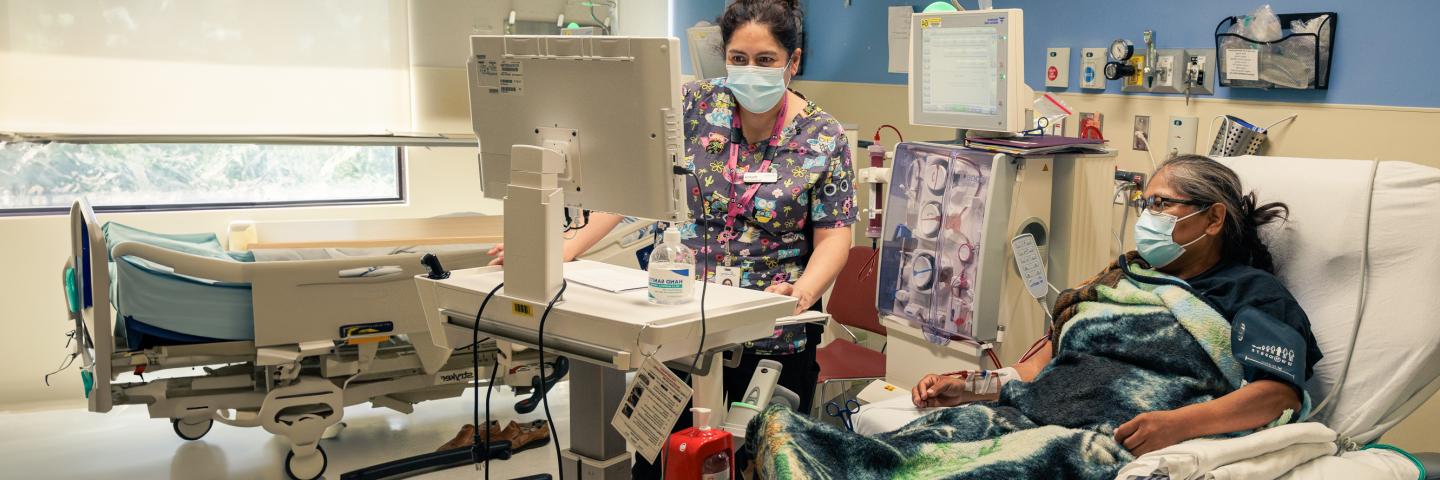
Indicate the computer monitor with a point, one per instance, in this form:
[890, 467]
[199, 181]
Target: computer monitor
[968, 71]
[611, 105]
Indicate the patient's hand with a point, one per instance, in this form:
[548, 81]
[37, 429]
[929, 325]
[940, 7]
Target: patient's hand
[941, 391]
[1151, 431]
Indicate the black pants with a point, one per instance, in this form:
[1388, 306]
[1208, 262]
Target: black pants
[798, 373]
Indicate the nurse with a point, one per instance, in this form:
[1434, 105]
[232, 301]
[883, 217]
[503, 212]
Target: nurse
[785, 227]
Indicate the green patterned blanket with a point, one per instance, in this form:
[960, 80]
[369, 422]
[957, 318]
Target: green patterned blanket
[1124, 346]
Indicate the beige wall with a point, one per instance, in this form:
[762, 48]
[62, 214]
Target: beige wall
[1320, 131]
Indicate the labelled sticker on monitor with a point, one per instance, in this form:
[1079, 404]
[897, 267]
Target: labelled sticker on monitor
[523, 309]
[512, 78]
[929, 22]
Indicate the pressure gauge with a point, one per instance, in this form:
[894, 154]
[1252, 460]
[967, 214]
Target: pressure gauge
[1119, 70]
[922, 271]
[930, 220]
[934, 175]
[1121, 50]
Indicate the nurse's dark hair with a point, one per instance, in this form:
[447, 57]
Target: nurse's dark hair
[784, 18]
[1198, 177]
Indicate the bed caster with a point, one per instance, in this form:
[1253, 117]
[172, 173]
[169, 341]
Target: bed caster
[192, 429]
[309, 467]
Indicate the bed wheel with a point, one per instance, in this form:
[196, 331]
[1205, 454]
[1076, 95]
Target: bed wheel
[306, 468]
[192, 429]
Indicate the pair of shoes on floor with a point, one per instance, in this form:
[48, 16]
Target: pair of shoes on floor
[521, 436]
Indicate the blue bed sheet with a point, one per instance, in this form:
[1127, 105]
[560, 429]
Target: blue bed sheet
[156, 306]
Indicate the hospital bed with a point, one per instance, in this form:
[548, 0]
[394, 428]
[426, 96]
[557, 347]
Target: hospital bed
[1359, 254]
[297, 320]
[283, 345]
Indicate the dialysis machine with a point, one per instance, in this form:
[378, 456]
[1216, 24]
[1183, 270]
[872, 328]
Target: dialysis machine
[948, 287]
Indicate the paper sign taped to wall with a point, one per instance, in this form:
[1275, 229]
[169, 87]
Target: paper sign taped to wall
[898, 38]
[1242, 64]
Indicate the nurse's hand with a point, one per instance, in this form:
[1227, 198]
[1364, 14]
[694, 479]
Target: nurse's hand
[939, 391]
[497, 251]
[803, 297]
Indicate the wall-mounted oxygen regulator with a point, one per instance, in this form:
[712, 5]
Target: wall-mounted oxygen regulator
[1161, 70]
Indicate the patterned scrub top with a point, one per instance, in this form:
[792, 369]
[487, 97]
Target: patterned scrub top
[772, 238]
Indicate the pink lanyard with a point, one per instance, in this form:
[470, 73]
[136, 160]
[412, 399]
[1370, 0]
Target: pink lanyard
[744, 202]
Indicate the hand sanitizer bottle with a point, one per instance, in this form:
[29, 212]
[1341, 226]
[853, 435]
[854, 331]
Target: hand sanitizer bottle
[672, 275]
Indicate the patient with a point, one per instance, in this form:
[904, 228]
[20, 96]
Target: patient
[1190, 336]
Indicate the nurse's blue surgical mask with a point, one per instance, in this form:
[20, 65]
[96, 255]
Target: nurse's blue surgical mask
[758, 89]
[1155, 237]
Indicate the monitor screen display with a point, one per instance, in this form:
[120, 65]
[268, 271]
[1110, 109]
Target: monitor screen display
[960, 71]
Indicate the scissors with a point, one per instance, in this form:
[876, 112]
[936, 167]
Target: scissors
[843, 413]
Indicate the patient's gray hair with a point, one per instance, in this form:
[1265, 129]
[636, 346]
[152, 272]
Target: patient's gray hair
[1201, 178]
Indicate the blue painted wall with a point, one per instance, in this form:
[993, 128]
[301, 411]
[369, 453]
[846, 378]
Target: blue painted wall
[1372, 38]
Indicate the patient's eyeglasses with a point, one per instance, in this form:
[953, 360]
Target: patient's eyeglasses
[1159, 204]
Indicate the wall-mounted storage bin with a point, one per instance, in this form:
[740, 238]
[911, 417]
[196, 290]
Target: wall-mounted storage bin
[1297, 60]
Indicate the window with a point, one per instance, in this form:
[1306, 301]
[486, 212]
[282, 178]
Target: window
[47, 178]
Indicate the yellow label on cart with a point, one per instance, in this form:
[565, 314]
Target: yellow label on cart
[523, 309]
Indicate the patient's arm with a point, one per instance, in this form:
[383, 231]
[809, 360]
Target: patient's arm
[946, 391]
[1252, 406]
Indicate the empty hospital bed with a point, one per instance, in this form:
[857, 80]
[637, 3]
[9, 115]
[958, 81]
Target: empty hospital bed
[297, 320]
[1359, 254]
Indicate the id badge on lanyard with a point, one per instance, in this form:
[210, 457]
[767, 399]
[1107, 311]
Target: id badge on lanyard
[760, 175]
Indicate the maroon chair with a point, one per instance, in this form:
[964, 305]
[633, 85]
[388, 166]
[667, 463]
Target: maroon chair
[852, 305]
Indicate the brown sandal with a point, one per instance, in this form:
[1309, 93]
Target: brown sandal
[466, 437]
[526, 436]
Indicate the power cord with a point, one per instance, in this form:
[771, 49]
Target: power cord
[545, 390]
[704, 272]
[1149, 152]
[477, 445]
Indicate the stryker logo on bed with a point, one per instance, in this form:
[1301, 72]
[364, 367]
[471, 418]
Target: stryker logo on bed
[348, 331]
[455, 376]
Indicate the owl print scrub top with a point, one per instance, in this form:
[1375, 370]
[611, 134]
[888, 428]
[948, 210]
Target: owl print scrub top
[770, 240]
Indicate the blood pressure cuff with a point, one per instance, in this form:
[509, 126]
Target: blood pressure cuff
[1268, 348]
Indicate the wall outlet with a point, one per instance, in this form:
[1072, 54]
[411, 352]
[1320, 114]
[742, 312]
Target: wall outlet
[1092, 68]
[1182, 136]
[1057, 67]
[1142, 126]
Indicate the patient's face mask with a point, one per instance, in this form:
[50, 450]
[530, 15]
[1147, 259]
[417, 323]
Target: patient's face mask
[1155, 237]
[758, 89]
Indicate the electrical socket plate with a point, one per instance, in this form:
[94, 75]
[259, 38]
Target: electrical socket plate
[1092, 68]
[1170, 71]
[1182, 136]
[1142, 125]
[1206, 57]
[1057, 67]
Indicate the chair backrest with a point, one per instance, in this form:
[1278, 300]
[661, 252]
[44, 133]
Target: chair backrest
[1318, 252]
[852, 300]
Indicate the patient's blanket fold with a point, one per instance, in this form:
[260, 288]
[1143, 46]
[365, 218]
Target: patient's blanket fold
[1125, 347]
